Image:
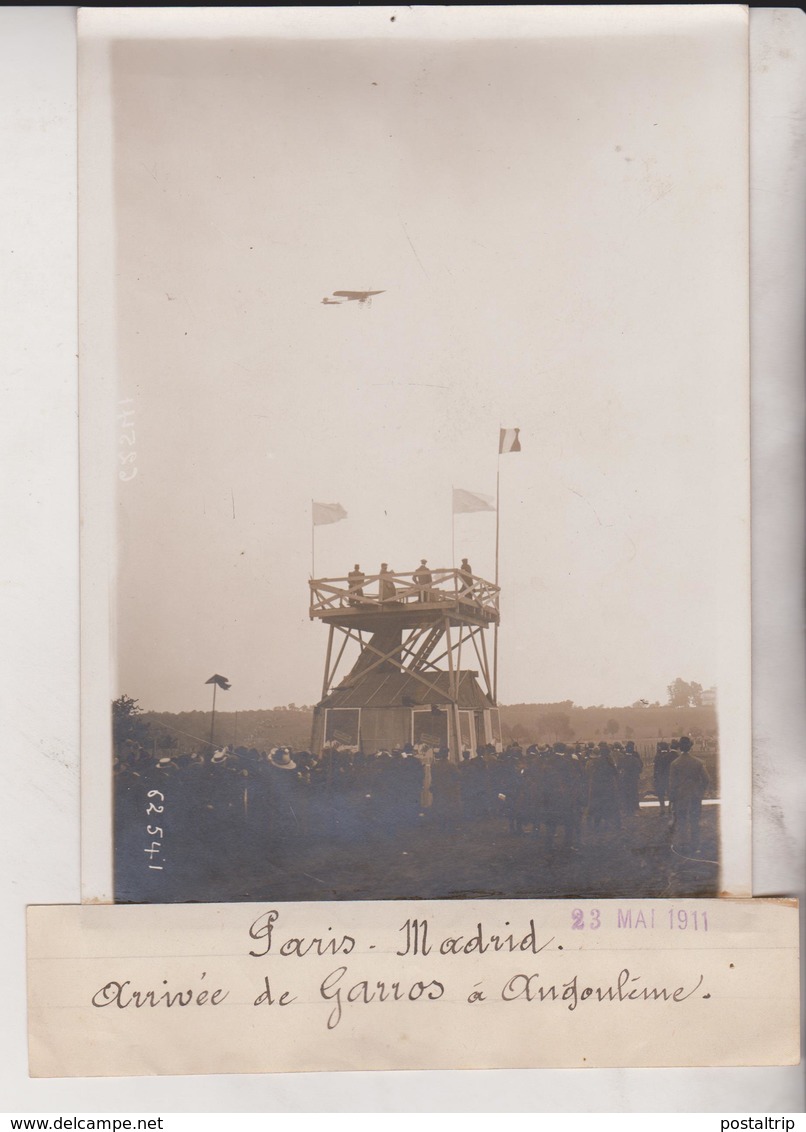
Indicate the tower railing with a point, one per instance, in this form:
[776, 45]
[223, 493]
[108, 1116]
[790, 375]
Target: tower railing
[394, 590]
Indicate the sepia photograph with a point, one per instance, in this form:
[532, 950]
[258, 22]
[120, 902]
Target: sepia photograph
[362, 592]
[444, 595]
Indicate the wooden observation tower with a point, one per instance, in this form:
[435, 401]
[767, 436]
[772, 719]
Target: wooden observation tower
[408, 638]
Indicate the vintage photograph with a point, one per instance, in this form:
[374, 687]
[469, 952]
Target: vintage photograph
[442, 595]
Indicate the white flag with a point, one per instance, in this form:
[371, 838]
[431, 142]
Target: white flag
[508, 440]
[327, 513]
[471, 501]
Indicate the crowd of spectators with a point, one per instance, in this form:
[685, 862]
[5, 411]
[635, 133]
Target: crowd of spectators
[244, 800]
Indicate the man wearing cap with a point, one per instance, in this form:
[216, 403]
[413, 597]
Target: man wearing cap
[688, 781]
[466, 578]
[423, 578]
[355, 580]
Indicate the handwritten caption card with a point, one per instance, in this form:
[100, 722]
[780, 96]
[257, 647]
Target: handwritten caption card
[247, 988]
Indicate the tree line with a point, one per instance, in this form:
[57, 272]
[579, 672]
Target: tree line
[290, 725]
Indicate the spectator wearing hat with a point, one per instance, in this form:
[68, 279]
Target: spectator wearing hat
[554, 794]
[688, 782]
[445, 790]
[221, 811]
[526, 807]
[660, 772]
[630, 768]
[282, 787]
[575, 774]
[603, 804]
[411, 785]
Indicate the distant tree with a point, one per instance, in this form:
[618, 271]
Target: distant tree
[167, 742]
[612, 727]
[554, 726]
[683, 694]
[678, 693]
[127, 724]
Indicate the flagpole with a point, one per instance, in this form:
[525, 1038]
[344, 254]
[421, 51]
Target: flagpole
[212, 721]
[497, 509]
[313, 528]
[453, 530]
[497, 531]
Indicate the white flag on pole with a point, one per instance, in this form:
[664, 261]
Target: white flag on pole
[509, 440]
[464, 501]
[327, 513]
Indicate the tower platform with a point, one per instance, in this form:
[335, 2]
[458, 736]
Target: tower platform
[396, 597]
[409, 633]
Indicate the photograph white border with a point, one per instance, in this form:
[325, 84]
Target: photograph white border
[39, 429]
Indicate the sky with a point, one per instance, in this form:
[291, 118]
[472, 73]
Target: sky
[556, 232]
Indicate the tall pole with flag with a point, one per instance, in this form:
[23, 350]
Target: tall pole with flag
[508, 441]
[497, 511]
[321, 515]
[218, 682]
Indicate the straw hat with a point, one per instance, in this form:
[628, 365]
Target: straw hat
[281, 758]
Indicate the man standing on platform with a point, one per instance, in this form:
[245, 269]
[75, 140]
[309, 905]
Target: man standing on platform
[423, 578]
[356, 580]
[386, 585]
[466, 577]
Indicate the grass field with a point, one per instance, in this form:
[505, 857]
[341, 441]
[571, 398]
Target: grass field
[478, 860]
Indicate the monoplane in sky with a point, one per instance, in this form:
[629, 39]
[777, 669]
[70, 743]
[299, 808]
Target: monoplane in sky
[350, 297]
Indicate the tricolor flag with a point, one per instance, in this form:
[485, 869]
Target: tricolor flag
[327, 513]
[220, 681]
[464, 501]
[508, 441]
